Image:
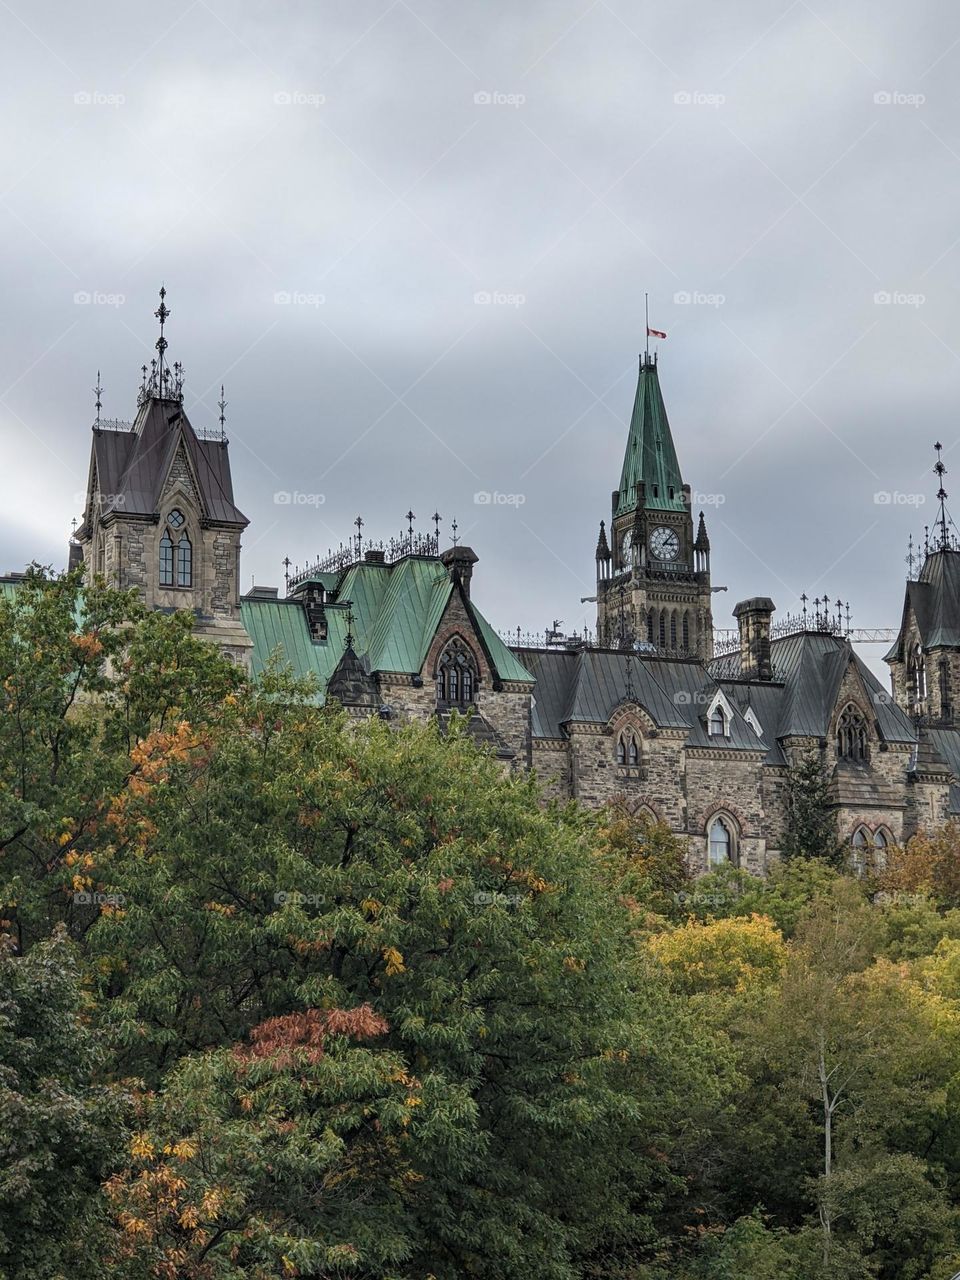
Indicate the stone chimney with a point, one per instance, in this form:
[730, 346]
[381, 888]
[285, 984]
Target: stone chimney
[753, 617]
[459, 562]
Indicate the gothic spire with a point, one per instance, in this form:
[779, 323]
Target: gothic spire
[603, 548]
[703, 542]
[650, 458]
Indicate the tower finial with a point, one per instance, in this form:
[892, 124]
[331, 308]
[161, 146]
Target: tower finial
[410, 519]
[162, 313]
[436, 518]
[453, 529]
[359, 523]
[98, 392]
[940, 471]
[222, 405]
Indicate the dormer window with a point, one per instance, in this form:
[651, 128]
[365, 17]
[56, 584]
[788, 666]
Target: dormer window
[456, 675]
[852, 735]
[718, 723]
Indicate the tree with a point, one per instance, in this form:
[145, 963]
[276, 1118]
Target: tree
[85, 676]
[60, 1130]
[281, 862]
[811, 827]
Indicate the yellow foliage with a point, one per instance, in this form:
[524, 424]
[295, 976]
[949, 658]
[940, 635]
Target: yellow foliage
[394, 960]
[141, 1148]
[722, 955]
[185, 1149]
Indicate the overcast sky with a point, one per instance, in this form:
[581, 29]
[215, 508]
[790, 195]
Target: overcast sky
[328, 189]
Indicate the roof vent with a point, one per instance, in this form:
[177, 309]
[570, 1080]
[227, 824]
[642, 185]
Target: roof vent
[374, 557]
[263, 593]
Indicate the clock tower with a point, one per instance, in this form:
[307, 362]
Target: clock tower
[653, 573]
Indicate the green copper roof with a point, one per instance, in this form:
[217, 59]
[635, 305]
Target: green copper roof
[650, 458]
[396, 611]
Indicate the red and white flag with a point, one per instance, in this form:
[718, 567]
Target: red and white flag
[655, 333]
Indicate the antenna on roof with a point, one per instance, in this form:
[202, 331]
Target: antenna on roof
[162, 313]
[98, 392]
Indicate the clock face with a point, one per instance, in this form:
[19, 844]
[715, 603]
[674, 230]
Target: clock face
[626, 547]
[664, 543]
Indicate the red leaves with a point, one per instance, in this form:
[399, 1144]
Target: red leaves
[280, 1038]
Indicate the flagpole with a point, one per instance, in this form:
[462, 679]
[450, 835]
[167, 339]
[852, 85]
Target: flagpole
[646, 316]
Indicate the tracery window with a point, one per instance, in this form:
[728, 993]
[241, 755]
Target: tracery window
[858, 857]
[851, 735]
[456, 675]
[918, 674]
[880, 843]
[628, 748]
[175, 560]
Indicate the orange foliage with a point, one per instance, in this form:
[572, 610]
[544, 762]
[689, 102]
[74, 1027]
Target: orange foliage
[280, 1038]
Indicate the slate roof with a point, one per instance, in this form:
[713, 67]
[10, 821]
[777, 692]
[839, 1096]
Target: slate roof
[587, 686]
[808, 668]
[650, 455]
[396, 611]
[935, 601]
[132, 465]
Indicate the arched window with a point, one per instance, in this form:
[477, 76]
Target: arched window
[176, 558]
[184, 562]
[673, 630]
[718, 722]
[946, 710]
[456, 675]
[649, 626]
[851, 735]
[663, 628]
[880, 843]
[166, 560]
[918, 674]
[686, 631]
[633, 751]
[859, 844]
[621, 750]
[720, 842]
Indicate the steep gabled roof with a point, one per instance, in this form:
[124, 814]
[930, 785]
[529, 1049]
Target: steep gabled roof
[587, 686]
[650, 456]
[808, 669]
[934, 600]
[132, 466]
[396, 610]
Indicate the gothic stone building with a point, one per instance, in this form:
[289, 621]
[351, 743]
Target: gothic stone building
[649, 713]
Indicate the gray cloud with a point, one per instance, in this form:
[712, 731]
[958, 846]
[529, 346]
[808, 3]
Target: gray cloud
[398, 159]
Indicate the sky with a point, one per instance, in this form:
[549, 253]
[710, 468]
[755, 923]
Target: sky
[412, 239]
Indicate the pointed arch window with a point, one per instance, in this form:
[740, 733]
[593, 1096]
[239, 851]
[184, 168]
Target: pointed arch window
[628, 748]
[946, 711]
[175, 552]
[649, 626]
[663, 628]
[852, 735]
[456, 675]
[918, 674]
[673, 630]
[621, 750]
[880, 844]
[718, 722]
[686, 631]
[859, 845]
[166, 559]
[184, 561]
[720, 843]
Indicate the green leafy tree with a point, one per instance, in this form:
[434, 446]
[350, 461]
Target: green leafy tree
[60, 1130]
[811, 827]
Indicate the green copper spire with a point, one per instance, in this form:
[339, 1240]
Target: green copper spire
[650, 459]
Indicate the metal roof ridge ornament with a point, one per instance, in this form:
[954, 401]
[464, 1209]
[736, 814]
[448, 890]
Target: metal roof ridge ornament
[162, 313]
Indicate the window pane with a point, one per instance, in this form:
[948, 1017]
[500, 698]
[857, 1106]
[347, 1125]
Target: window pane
[184, 562]
[166, 561]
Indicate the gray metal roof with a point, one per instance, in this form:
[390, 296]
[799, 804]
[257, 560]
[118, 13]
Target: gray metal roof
[132, 466]
[934, 600]
[808, 668]
[587, 686]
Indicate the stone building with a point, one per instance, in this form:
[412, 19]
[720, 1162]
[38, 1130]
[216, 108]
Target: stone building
[703, 741]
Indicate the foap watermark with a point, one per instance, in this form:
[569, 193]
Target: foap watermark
[893, 498]
[896, 298]
[693, 298]
[484, 498]
[683, 899]
[96, 98]
[707, 499]
[80, 499]
[483, 898]
[897, 98]
[498, 298]
[497, 98]
[698, 98]
[294, 498]
[293, 898]
[96, 298]
[693, 698]
[298, 98]
[90, 898]
[897, 898]
[296, 298]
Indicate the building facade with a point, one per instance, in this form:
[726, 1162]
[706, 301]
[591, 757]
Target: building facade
[649, 714]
